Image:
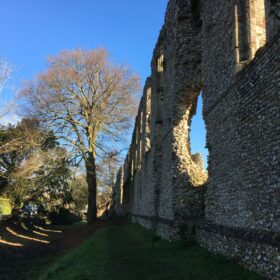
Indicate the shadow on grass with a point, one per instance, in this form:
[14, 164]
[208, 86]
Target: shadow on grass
[131, 252]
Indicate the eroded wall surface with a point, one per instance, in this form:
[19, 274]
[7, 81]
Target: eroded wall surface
[229, 50]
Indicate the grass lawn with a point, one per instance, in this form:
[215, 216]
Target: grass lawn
[130, 252]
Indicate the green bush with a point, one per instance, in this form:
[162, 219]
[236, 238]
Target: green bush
[5, 206]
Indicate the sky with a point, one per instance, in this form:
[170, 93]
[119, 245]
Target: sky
[31, 30]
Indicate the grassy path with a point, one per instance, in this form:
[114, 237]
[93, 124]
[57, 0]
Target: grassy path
[129, 252]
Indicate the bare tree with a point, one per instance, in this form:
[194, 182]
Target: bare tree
[86, 99]
[107, 169]
[5, 72]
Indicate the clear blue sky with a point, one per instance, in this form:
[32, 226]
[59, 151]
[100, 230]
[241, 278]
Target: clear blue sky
[30, 30]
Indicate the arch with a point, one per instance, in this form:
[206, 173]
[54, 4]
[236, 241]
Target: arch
[241, 31]
[198, 137]
[160, 63]
[148, 120]
[257, 22]
[250, 28]
[196, 12]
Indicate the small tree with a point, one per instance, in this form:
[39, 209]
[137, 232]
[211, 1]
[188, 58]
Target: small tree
[17, 143]
[43, 178]
[107, 170]
[86, 99]
[79, 191]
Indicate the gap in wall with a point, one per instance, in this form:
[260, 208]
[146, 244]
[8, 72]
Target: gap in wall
[198, 133]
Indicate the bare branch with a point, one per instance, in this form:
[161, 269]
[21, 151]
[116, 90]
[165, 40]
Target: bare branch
[83, 95]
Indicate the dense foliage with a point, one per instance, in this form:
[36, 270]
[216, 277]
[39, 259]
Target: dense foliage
[35, 170]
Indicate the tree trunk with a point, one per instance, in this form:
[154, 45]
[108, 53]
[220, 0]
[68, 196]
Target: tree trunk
[92, 189]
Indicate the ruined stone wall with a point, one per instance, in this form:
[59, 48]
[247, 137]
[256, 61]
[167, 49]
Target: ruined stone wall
[242, 202]
[142, 202]
[167, 181]
[218, 47]
[243, 189]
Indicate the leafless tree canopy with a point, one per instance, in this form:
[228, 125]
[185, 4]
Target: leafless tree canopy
[83, 95]
[5, 72]
[85, 98]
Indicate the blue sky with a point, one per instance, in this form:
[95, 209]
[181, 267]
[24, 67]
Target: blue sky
[31, 30]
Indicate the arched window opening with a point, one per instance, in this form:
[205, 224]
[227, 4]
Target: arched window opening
[122, 185]
[136, 149]
[250, 28]
[196, 11]
[133, 160]
[272, 11]
[148, 120]
[241, 32]
[257, 25]
[158, 109]
[139, 140]
[198, 150]
[159, 89]
[160, 63]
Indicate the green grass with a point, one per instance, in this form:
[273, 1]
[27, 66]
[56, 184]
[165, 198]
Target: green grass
[131, 253]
